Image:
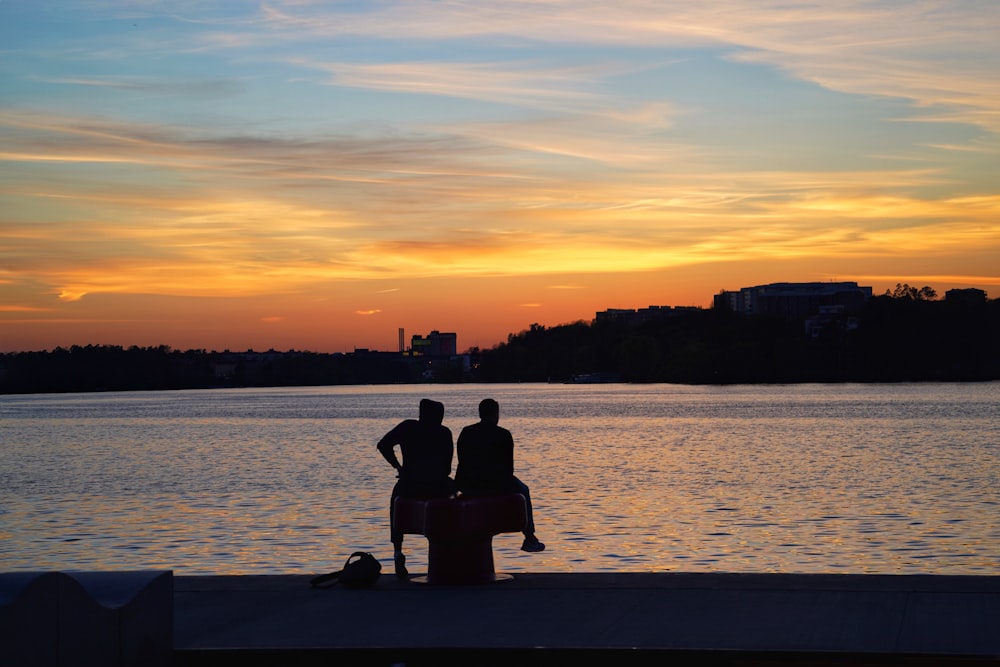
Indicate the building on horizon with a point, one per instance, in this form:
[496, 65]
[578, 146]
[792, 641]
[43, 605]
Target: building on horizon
[635, 316]
[793, 300]
[970, 296]
[436, 344]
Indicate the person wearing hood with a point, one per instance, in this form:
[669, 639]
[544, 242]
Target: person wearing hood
[427, 449]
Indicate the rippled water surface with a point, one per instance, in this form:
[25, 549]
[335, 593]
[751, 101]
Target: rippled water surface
[815, 478]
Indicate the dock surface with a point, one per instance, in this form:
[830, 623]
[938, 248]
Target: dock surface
[632, 618]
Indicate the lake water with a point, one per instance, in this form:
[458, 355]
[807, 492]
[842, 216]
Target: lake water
[893, 479]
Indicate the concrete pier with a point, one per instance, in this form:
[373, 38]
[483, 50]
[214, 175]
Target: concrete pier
[619, 619]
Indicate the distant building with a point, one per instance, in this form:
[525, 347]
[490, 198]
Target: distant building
[793, 300]
[436, 344]
[969, 297]
[615, 315]
[638, 316]
[436, 357]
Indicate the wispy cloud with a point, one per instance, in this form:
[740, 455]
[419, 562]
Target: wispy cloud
[208, 88]
[527, 83]
[16, 308]
[940, 54]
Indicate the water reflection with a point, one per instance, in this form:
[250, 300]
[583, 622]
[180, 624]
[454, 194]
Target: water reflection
[820, 478]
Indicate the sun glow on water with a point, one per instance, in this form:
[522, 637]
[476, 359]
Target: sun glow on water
[816, 478]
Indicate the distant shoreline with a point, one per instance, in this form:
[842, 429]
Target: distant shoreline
[495, 382]
[887, 340]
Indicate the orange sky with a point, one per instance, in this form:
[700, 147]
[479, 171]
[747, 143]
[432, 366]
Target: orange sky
[311, 176]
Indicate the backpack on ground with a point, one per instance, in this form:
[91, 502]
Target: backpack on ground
[361, 570]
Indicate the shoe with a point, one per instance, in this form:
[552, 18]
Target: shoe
[399, 560]
[532, 545]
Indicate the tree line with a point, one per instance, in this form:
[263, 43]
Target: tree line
[115, 368]
[903, 335]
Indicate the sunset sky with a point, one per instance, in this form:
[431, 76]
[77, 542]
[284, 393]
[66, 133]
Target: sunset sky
[297, 174]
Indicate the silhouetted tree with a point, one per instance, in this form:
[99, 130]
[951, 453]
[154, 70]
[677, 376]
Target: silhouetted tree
[904, 291]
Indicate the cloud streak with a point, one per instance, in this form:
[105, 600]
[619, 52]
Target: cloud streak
[942, 55]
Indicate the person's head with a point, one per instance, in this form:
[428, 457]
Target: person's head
[431, 412]
[489, 411]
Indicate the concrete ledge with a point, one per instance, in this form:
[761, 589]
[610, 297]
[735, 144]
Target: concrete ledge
[544, 657]
[87, 618]
[636, 618]
[29, 613]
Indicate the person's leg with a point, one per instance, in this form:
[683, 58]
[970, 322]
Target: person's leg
[531, 542]
[522, 488]
[396, 536]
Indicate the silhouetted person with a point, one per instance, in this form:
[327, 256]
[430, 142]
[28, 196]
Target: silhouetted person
[427, 449]
[486, 465]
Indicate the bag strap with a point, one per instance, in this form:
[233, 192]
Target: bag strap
[325, 580]
[328, 580]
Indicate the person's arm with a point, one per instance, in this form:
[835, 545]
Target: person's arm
[461, 444]
[508, 461]
[387, 447]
